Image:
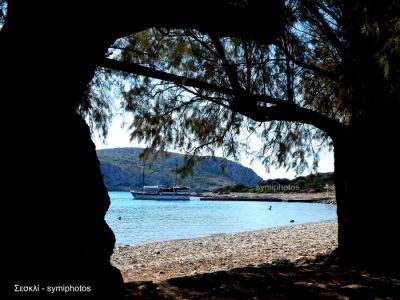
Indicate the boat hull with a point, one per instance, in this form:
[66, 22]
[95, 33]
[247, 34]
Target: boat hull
[140, 196]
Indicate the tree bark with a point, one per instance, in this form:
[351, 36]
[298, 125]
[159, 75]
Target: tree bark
[54, 198]
[366, 158]
[366, 202]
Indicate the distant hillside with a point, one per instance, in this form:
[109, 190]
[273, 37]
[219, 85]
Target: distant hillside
[122, 170]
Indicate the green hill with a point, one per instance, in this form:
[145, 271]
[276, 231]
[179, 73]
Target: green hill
[311, 183]
[122, 170]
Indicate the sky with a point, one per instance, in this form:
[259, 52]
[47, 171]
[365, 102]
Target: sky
[118, 137]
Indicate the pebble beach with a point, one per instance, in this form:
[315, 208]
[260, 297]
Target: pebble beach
[163, 260]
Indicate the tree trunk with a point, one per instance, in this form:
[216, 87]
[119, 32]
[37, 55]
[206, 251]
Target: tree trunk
[53, 224]
[54, 200]
[367, 208]
[366, 157]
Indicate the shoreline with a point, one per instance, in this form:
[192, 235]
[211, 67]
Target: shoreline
[164, 260]
[321, 197]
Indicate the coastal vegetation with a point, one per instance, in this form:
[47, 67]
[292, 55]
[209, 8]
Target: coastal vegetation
[319, 182]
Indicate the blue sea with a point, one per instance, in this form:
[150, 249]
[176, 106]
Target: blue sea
[145, 221]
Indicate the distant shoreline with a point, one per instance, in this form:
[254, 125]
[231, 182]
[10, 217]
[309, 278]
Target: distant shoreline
[328, 198]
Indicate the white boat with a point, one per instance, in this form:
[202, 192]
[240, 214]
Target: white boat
[159, 192]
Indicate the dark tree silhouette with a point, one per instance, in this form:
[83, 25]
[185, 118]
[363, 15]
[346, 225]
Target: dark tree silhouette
[54, 199]
[334, 68]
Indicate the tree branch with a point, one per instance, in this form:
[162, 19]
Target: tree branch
[132, 50]
[230, 70]
[248, 65]
[204, 15]
[329, 12]
[304, 65]
[332, 36]
[137, 69]
[256, 107]
[289, 85]
[293, 113]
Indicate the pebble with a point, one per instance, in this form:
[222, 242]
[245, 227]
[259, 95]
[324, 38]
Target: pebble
[142, 287]
[213, 253]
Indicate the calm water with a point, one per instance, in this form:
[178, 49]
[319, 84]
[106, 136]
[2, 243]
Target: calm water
[144, 221]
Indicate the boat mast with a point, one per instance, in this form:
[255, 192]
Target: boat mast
[176, 172]
[143, 176]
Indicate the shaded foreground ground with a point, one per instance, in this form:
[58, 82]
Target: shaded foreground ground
[292, 262]
[320, 278]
